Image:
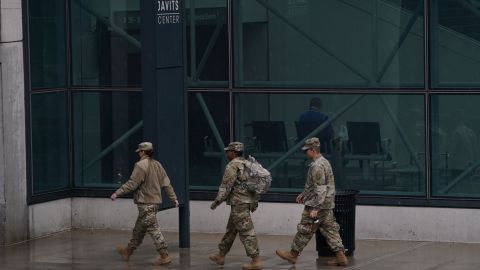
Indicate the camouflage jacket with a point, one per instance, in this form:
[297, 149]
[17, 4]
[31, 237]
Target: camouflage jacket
[319, 189]
[229, 189]
[147, 178]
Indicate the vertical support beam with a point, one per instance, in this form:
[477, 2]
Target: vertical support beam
[14, 223]
[165, 97]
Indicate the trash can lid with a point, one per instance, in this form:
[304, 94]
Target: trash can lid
[346, 192]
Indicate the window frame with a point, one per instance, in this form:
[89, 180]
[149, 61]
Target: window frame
[231, 89]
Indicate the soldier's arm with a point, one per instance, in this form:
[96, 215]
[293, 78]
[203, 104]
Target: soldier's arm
[170, 192]
[137, 177]
[228, 180]
[166, 185]
[320, 185]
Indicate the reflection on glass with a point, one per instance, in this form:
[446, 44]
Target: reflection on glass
[107, 127]
[208, 125]
[49, 142]
[207, 43]
[455, 148]
[47, 43]
[328, 43]
[455, 43]
[105, 42]
[375, 143]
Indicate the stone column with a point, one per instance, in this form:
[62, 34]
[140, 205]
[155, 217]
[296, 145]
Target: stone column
[13, 175]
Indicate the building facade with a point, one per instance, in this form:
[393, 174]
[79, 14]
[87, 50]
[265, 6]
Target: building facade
[396, 83]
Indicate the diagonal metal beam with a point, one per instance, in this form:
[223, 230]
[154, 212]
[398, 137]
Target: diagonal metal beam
[310, 38]
[401, 39]
[209, 49]
[112, 146]
[115, 28]
[297, 146]
[400, 131]
[211, 123]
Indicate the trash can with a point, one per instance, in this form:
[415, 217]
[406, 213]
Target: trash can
[345, 202]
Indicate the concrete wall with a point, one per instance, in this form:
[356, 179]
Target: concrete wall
[373, 222]
[13, 208]
[50, 217]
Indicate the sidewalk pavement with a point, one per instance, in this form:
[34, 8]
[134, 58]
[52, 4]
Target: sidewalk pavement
[95, 249]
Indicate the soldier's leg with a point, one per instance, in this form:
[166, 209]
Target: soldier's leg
[305, 231]
[153, 229]
[228, 238]
[330, 229]
[243, 223]
[139, 230]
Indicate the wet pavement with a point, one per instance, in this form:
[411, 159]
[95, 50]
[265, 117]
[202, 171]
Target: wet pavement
[95, 249]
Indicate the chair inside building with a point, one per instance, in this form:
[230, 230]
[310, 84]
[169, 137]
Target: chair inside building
[364, 138]
[365, 146]
[325, 135]
[269, 136]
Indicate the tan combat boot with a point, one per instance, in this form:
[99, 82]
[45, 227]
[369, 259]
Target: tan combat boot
[164, 258]
[340, 259]
[217, 258]
[255, 264]
[125, 252]
[290, 256]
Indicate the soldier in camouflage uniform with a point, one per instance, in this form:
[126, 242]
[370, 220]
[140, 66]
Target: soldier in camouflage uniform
[146, 181]
[319, 200]
[242, 202]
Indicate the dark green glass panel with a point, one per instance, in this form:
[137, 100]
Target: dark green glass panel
[47, 43]
[49, 142]
[455, 149]
[107, 127]
[106, 43]
[329, 44]
[208, 132]
[207, 43]
[375, 143]
[455, 44]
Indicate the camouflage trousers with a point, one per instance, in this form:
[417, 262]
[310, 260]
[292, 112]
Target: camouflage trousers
[327, 226]
[147, 223]
[240, 222]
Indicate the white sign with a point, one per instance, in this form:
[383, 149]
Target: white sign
[168, 12]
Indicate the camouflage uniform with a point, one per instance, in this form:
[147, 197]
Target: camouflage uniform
[146, 181]
[319, 194]
[241, 202]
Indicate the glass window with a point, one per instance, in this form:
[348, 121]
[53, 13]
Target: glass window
[107, 127]
[207, 43]
[49, 142]
[47, 43]
[455, 149]
[375, 143]
[208, 127]
[455, 44]
[330, 43]
[105, 42]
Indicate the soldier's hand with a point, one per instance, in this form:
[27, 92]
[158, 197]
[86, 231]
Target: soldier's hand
[113, 197]
[313, 213]
[253, 206]
[299, 198]
[175, 202]
[214, 205]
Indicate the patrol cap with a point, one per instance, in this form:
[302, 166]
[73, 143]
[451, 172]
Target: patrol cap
[311, 143]
[145, 146]
[234, 146]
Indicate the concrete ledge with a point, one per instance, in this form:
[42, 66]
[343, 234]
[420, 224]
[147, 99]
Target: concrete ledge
[417, 223]
[50, 217]
[372, 222]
